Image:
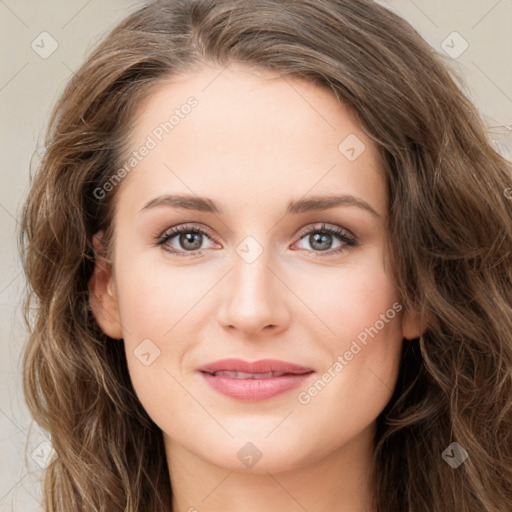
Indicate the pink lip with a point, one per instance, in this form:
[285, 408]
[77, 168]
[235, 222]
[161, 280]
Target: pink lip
[254, 389]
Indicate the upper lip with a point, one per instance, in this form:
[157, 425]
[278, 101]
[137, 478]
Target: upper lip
[261, 366]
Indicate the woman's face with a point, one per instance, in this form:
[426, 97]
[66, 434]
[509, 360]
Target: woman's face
[291, 264]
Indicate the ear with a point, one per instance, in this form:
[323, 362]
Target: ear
[411, 325]
[102, 294]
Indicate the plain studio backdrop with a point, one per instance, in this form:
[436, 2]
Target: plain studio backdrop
[44, 42]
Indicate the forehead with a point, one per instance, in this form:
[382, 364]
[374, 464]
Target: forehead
[240, 130]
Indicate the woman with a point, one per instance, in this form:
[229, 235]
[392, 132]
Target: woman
[270, 246]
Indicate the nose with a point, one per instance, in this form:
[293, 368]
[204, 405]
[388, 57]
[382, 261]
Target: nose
[254, 298]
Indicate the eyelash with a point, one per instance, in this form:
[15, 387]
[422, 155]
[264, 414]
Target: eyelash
[350, 241]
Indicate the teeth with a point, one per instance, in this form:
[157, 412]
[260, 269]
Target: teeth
[243, 375]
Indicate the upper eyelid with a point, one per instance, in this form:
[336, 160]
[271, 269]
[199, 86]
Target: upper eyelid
[184, 228]
[328, 227]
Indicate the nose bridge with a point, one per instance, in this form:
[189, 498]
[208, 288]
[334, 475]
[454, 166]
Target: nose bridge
[250, 272]
[251, 276]
[254, 298]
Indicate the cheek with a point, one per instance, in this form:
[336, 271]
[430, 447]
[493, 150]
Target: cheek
[363, 312]
[352, 301]
[157, 305]
[155, 297]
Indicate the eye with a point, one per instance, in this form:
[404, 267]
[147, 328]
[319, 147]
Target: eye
[321, 238]
[189, 239]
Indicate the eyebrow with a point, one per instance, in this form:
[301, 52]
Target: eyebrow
[312, 203]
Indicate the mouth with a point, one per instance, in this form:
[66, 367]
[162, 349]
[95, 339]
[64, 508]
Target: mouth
[244, 375]
[259, 380]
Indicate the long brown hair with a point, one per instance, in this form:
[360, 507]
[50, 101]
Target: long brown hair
[450, 230]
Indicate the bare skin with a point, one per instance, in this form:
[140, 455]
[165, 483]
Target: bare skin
[254, 143]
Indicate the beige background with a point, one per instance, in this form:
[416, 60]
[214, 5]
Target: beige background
[29, 85]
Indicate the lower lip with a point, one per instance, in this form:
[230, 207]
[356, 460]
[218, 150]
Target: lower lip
[255, 389]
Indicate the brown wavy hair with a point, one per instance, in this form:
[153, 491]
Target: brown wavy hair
[450, 230]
